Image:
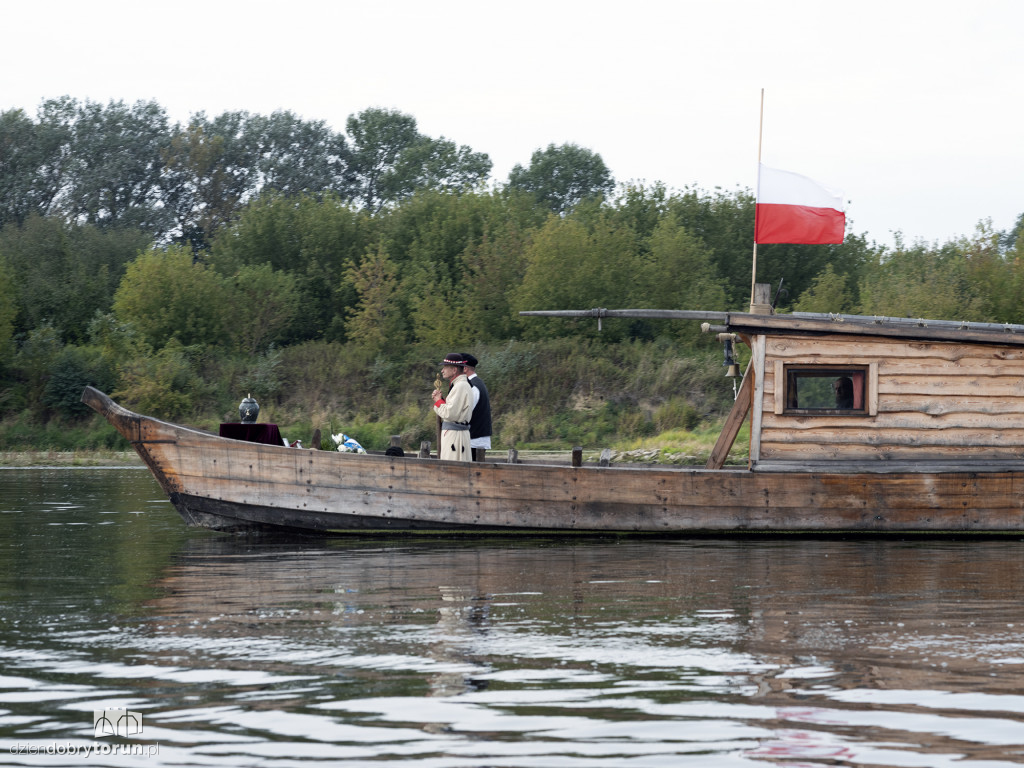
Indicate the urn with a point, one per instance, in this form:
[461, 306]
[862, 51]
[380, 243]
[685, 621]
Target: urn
[248, 410]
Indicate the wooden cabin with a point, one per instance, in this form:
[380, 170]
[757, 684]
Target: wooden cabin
[861, 390]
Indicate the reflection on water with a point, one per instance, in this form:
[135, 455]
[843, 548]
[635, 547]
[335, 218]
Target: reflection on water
[615, 652]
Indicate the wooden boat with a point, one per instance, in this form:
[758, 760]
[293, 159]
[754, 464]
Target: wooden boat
[929, 437]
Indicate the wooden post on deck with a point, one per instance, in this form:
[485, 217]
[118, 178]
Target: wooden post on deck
[424, 449]
[577, 456]
[761, 303]
[731, 428]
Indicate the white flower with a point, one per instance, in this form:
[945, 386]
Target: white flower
[346, 444]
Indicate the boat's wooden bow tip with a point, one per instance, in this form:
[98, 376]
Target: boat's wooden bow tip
[124, 421]
[97, 400]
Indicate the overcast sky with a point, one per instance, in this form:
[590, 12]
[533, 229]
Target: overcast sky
[913, 109]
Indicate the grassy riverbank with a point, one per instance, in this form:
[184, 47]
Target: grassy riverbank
[70, 459]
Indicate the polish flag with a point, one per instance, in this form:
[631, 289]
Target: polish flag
[795, 209]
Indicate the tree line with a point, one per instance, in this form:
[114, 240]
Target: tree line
[176, 266]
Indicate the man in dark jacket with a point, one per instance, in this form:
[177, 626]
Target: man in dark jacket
[480, 420]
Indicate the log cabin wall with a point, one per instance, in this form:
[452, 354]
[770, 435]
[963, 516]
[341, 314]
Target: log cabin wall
[927, 400]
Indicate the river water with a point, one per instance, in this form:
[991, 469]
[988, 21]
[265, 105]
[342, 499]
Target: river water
[262, 651]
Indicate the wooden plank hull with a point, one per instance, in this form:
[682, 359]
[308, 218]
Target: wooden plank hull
[227, 484]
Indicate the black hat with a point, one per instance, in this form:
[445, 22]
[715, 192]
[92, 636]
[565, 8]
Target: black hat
[454, 359]
[470, 360]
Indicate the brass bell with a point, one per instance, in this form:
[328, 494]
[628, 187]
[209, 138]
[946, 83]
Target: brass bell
[733, 369]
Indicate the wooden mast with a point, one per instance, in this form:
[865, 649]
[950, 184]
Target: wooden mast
[757, 191]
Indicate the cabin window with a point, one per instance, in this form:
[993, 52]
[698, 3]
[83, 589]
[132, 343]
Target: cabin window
[840, 390]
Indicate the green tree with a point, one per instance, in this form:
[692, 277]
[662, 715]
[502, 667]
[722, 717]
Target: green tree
[724, 221]
[641, 208]
[997, 274]
[451, 285]
[8, 311]
[35, 161]
[490, 269]
[64, 273]
[428, 233]
[165, 295]
[34, 362]
[375, 323]
[441, 164]
[313, 241]
[828, 293]
[117, 164]
[391, 159]
[22, 155]
[73, 369]
[296, 156]
[435, 308]
[116, 341]
[210, 169]
[1010, 239]
[573, 264]
[265, 303]
[561, 177]
[164, 384]
[678, 273]
[922, 281]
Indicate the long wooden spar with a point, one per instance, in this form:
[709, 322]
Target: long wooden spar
[650, 314]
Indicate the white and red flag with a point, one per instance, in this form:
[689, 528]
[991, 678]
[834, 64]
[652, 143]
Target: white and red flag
[795, 209]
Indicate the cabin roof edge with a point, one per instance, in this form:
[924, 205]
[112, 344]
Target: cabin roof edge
[863, 325]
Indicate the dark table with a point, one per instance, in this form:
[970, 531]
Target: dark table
[252, 433]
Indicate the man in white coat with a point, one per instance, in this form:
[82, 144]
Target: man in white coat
[455, 410]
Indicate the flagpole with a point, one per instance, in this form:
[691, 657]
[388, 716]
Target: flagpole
[757, 189]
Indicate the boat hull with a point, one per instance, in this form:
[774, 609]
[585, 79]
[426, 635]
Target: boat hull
[231, 485]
